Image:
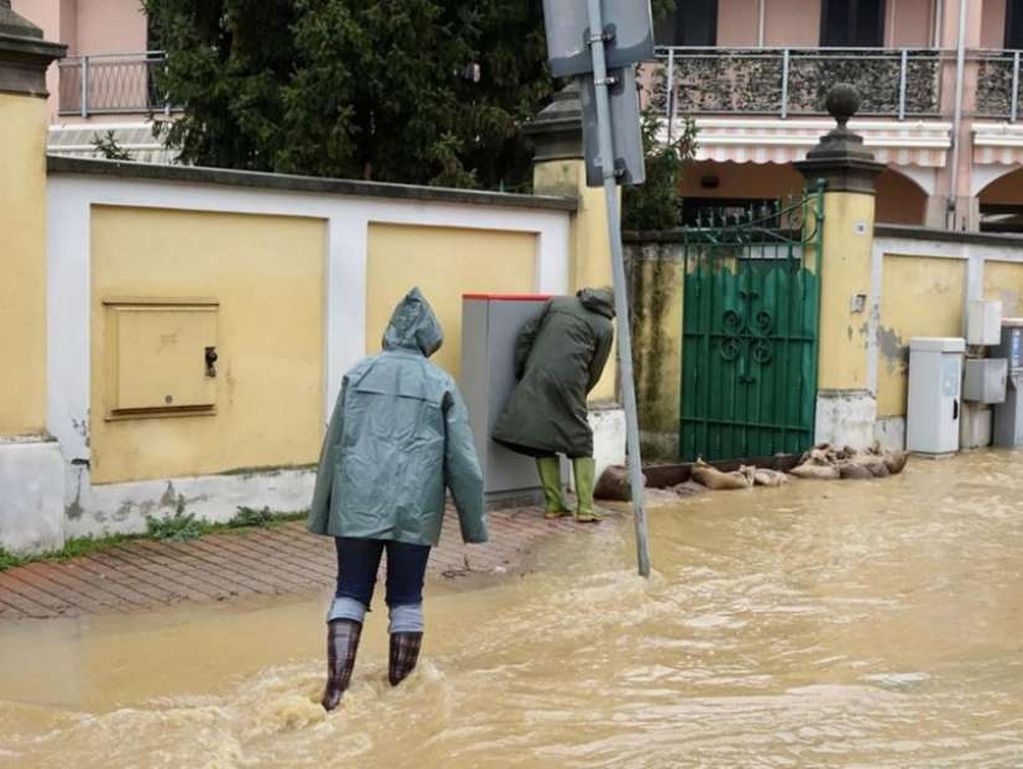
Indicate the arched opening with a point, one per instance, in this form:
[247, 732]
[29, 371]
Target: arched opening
[1001, 203]
[900, 200]
[726, 188]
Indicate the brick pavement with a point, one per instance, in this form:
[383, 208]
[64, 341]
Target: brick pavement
[148, 574]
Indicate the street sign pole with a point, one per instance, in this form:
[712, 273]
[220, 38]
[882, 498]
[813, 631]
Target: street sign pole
[607, 163]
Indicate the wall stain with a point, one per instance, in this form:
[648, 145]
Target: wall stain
[891, 347]
[169, 498]
[81, 426]
[74, 510]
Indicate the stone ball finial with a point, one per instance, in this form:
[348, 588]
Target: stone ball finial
[842, 102]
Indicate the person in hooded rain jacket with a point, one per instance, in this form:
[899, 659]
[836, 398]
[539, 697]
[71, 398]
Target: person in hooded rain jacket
[559, 357]
[399, 436]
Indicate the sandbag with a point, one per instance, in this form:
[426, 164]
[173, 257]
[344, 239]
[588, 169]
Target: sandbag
[816, 472]
[717, 480]
[764, 477]
[896, 461]
[854, 471]
[614, 486]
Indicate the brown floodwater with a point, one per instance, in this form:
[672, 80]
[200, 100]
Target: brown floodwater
[853, 624]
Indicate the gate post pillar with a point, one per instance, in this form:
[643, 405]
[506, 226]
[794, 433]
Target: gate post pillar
[31, 466]
[846, 407]
[559, 168]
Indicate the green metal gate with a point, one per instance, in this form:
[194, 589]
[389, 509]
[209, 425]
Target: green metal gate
[750, 330]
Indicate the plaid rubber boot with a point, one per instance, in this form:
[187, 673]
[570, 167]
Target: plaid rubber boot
[404, 655]
[342, 644]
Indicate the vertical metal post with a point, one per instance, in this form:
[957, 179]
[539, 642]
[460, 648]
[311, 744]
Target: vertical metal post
[606, 160]
[669, 101]
[785, 84]
[903, 74]
[1014, 107]
[84, 77]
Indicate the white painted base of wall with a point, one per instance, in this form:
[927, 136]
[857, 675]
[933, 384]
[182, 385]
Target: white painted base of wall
[609, 434]
[45, 498]
[122, 508]
[846, 418]
[31, 495]
[891, 433]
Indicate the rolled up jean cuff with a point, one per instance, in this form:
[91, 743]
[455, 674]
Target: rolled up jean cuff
[343, 607]
[406, 618]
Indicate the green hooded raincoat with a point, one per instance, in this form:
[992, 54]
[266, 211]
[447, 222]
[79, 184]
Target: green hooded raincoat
[559, 357]
[398, 436]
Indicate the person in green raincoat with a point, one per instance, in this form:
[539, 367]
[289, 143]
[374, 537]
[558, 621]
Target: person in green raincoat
[559, 357]
[399, 436]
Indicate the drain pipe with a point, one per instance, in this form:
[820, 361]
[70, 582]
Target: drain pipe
[957, 121]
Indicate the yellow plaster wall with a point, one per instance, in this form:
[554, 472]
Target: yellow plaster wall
[23, 122]
[845, 272]
[267, 274]
[1004, 281]
[657, 298]
[590, 249]
[920, 296]
[445, 263]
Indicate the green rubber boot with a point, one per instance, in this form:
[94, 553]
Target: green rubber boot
[585, 470]
[550, 479]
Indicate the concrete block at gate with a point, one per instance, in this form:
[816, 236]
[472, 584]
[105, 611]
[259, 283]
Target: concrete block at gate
[608, 425]
[31, 496]
[846, 418]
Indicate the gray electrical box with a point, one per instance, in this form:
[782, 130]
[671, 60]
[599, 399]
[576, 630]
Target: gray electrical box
[935, 388]
[1008, 427]
[490, 326]
[984, 381]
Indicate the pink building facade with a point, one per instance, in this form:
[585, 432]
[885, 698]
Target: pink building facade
[107, 42]
[940, 82]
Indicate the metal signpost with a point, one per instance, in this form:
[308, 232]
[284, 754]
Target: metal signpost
[619, 32]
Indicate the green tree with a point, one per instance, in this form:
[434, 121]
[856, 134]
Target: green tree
[656, 204]
[421, 91]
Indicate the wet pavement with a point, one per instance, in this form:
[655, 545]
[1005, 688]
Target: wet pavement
[823, 624]
[284, 560]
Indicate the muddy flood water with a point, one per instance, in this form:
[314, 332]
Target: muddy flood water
[854, 624]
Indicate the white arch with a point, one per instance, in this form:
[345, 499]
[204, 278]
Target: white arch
[984, 176]
[924, 178]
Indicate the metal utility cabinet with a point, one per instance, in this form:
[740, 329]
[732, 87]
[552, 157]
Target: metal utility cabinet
[935, 381]
[1008, 427]
[490, 326]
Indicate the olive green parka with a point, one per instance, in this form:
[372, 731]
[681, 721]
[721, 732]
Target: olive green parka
[559, 357]
[399, 436]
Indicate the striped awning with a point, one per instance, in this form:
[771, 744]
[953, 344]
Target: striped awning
[997, 144]
[753, 140]
[78, 140]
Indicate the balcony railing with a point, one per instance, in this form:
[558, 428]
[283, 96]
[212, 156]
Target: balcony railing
[998, 84]
[785, 82]
[111, 83]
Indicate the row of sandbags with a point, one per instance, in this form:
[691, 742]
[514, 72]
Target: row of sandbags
[825, 462]
[822, 462]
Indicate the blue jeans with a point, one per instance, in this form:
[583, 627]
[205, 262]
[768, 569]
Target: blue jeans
[358, 561]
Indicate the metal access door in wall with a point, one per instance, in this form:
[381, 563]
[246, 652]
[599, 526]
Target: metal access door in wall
[750, 331]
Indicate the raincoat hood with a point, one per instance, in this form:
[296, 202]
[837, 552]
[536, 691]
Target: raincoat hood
[414, 326]
[600, 300]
